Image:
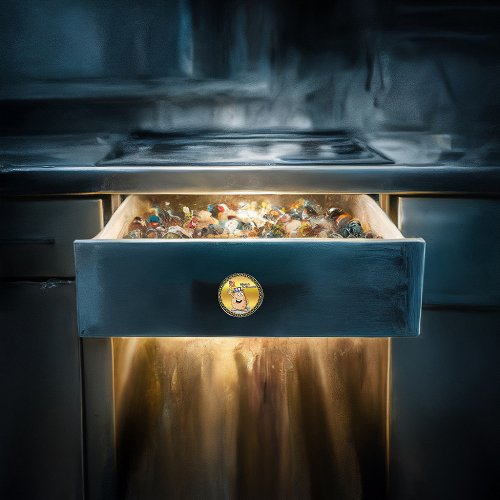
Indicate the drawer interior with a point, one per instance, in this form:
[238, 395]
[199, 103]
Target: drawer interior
[362, 207]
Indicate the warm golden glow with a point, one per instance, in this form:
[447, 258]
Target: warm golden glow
[276, 418]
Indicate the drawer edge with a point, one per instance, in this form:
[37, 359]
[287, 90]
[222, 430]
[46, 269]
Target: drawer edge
[390, 290]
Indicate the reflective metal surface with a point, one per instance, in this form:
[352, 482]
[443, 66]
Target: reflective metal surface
[239, 149]
[462, 265]
[78, 150]
[423, 164]
[379, 179]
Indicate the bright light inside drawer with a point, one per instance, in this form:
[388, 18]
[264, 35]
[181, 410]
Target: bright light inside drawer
[223, 216]
[250, 415]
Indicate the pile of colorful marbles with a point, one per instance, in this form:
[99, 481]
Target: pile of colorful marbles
[247, 219]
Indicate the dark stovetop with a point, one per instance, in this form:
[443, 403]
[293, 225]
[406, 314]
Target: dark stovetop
[281, 148]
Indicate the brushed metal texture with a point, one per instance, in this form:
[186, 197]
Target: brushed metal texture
[401, 178]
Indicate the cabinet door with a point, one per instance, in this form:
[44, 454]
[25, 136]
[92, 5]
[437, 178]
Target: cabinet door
[462, 264]
[40, 421]
[445, 413]
[38, 240]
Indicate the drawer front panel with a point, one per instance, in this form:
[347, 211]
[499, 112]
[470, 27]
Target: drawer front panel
[39, 239]
[311, 288]
[463, 237]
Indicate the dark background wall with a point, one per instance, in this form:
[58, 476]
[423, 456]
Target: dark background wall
[369, 64]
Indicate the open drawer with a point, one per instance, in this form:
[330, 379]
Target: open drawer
[312, 287]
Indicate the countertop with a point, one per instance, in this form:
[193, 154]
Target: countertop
[422, 163]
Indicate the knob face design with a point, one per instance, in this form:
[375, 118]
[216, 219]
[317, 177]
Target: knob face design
[240, 295]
